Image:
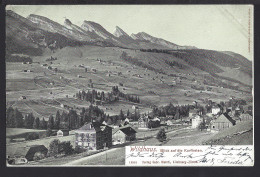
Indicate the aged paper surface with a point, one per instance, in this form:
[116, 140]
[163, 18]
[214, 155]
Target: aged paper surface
[129, 85]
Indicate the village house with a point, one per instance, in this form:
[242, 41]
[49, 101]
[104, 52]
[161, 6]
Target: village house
[154, 123]
[222, 122]
[196, 121]
[123, 134]
[59, 133]
[62, 133]
[169, 123]
[245, 117]
[143, 122]
[93, 136]
[215, 110]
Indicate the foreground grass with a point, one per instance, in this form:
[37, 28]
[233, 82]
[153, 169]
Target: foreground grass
[229, 137]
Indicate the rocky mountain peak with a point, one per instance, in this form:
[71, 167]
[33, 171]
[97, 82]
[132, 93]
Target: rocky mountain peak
[119, 32]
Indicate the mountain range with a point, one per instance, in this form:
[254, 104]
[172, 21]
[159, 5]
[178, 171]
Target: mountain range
[35, 34]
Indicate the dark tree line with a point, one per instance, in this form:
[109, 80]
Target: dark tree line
[156, 51]
[176, 111]
[93, 96]
[70, 120]
[174, 63]
[116, 92]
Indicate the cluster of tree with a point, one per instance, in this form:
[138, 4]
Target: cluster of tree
[161, 135]
[17, 58]
[56, 148]
[116, 92]
[156, 50]
[235, 103]
[137, 62]
[14, 118]
[174, 63]
[176, 111]
[112, 96]
[70, 120]
[91, 96]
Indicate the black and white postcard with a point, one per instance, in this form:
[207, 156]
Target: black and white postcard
[129, 85]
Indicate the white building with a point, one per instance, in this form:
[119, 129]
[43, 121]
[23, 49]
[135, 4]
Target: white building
[195, 122]
[59, 133]
[215, 110]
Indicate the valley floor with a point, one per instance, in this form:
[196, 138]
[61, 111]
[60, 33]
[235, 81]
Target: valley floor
[180, 137]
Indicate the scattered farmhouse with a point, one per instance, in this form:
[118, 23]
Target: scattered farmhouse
[93, 136]
[22, 98]
[28, 152]
[62, 133]
[123, 134]
[224, 121]
[27, 71]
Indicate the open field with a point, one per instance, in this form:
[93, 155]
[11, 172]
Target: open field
[11, 148]
[151, 87]
[17, 131]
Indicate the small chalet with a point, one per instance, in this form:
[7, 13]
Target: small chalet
[93, 136]
[224, 121]
[123, 134]
[59, 133]
[63, 132]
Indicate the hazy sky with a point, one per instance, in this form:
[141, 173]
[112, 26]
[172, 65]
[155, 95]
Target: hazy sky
[216, 27]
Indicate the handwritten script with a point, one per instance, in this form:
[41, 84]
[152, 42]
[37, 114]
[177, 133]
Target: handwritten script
[189, 156]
